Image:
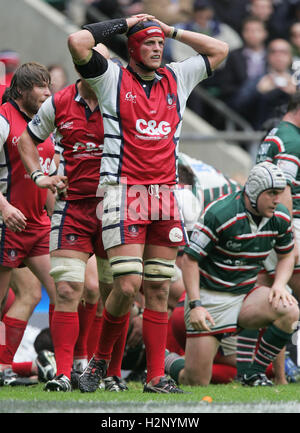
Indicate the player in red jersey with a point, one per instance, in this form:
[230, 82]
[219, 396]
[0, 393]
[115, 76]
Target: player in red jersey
[9, 62]
[75, 227]
[25, 225]
[142, 107]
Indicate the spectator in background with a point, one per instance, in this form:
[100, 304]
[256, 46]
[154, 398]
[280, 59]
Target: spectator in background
[275, 14]
[169, 11]
[294, 39]
[231, 12]
[261, 9]
[116, 8]
[203, 20]
[258, 98]
[247, 62]
[9, 62]
[59, 77]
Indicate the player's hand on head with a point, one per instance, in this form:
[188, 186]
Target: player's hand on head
[165, 28]
[134, 19]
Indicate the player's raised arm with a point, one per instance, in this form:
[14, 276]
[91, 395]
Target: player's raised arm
[215, 50]
[81, 43]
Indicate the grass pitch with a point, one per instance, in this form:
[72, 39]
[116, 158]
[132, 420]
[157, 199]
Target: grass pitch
[231, 398]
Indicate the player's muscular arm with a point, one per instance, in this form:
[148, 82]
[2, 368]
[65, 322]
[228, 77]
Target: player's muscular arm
[31, 160]
[81, 43]
[215, 50]
[28, 152]
[80, 46]
[191, 279]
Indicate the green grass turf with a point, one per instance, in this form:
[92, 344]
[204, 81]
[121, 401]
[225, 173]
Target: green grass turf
[230, 393]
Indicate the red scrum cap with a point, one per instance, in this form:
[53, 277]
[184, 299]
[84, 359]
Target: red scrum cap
[138, 33]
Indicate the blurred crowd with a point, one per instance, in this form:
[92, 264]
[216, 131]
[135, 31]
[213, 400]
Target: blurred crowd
[262, 69]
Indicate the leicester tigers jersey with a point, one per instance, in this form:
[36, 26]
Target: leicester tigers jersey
[230, 247]
[142, 131]
[209, 181]
[78, 136]
[15, 182]
[281, 147]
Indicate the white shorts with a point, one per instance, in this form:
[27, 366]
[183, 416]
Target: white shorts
[224, 309]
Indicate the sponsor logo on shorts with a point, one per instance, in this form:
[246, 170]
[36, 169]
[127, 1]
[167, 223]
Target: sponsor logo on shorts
[12, 254]
[175, 234]
[133, 230]
[71, 238]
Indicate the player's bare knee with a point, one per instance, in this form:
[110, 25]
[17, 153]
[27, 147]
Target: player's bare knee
[292, 313]
[287, 317]
[195, 378]
[92, 289]
[130, 287]
[69, 292]
[30, 298]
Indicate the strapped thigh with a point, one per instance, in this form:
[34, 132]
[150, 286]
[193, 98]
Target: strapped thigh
[157, 269]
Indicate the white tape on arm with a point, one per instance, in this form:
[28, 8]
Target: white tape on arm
[37, 176]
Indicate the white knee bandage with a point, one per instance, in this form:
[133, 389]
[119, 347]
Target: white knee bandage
[157, 269]
[105, 274]
[177, 274]
[67, 269]
[126, 265]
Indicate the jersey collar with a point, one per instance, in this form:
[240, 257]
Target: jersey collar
[15, 105]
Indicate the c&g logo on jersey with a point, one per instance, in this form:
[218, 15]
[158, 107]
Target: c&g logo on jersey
[153, 128]
[87, 147]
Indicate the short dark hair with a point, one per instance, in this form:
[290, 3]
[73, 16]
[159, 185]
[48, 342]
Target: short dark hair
[294, 102]
[43, 341]
[252, 19]
[185, 175]
[26, 77]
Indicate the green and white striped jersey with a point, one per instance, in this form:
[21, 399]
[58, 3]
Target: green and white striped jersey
[230, 247]
[209, 181]
[282, 147]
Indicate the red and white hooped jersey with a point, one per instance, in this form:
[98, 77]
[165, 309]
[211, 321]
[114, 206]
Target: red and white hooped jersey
[142, 133]
[15, 182]
[79, 139]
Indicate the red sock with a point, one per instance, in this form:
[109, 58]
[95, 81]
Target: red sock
[111, 330]
[115, 364]
[51, 311]
[172, 343]
[86, 315]
[222, 373]
[94, 336]
[64, 329]
[14, 331]
[270, 371]
[23, 369]
[155, 330]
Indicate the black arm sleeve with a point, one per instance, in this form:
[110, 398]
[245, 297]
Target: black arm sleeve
[102, 31]
[96, 66]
